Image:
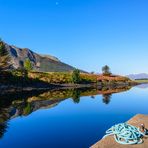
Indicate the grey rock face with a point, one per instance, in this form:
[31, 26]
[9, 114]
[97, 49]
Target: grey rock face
[45, 63]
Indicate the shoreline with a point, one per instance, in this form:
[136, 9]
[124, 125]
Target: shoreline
[40, 87]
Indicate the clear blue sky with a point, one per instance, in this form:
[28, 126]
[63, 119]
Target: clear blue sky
[84, 33]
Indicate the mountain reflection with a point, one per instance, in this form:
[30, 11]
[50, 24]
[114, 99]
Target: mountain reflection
[24, 103]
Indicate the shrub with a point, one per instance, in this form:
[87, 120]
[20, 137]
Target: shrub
[76, 76]
[28, 65]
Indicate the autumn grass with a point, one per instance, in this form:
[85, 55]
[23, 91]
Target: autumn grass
[63, 78]
[66, 77]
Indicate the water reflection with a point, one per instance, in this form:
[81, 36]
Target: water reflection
[4, 116]
[76, 96]
[106, 98]
[3, 128]
[143, 86]
[23, 104]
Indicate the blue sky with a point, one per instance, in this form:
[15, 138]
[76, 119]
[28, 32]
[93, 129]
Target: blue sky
[84, 33]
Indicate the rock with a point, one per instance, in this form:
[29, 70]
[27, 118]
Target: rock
[44, 63]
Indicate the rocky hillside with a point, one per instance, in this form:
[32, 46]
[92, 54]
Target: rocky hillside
[45, 63]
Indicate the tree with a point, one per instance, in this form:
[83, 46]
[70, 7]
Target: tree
[4, 57]
[76, 76]
[106, 70]
[28, 65]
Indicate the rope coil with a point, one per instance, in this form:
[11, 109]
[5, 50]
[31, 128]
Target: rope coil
[125, 133]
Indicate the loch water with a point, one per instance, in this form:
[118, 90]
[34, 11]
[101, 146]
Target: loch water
[73, 118]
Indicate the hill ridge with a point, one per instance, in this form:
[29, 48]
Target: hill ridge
[40, 62]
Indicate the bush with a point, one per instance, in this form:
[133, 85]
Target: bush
[28, 65]
[76, 76]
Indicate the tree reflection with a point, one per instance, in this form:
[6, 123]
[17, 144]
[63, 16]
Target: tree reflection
[24, 103]
[106, 98]
[76, 96]
[4, 117]
[3, 128]
[27, 109]
[93, 97]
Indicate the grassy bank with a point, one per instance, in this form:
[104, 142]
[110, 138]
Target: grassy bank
[64, 79]
[141, 80]
[85, 78]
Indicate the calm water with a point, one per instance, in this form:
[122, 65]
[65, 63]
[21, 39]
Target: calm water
[66, 119]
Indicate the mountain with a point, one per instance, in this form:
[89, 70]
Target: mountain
[138, 76]
[45, 63]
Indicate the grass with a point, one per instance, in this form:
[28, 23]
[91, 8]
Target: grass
[141, 80]
[62, 78]
[66, 77]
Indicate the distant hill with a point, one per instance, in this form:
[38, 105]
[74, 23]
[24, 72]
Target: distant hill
[138, 76]
[45, 63]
